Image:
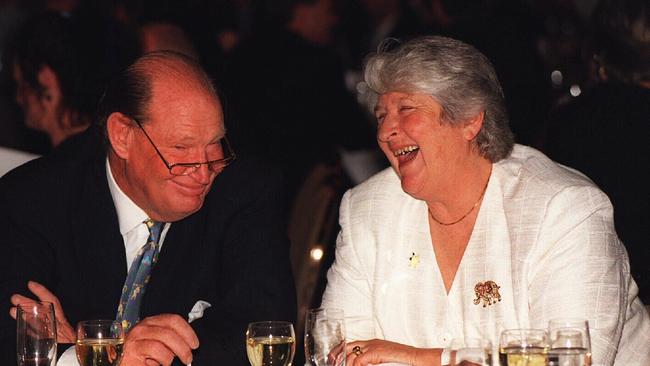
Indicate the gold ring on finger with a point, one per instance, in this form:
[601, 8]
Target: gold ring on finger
[357, 350]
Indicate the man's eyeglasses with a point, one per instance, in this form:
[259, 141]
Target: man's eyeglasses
[222, 149]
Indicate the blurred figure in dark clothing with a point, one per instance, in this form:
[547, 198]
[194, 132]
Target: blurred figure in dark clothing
[60, 65]
[506, 32]
[286, 94]
[166, 36]
[604, 132]
[370, 22]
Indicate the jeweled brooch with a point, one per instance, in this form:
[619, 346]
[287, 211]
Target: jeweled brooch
[488, 292]
[414, 260]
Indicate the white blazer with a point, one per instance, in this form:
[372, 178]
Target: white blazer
[544, 233]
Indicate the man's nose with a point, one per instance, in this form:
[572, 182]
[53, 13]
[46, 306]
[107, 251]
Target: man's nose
[202, 174]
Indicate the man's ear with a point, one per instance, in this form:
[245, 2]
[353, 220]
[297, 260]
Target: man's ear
[119, 129]
[52, 96]
[472, 127]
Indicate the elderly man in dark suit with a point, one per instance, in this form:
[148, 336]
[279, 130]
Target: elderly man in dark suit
[76, 223]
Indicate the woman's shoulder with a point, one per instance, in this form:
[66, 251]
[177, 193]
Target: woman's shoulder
[532, 182]
[529, 167]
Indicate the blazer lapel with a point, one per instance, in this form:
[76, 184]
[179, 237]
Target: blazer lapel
[99, 244]
[173, 281]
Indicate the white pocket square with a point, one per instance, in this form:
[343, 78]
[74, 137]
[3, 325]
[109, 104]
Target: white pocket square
[197, 310]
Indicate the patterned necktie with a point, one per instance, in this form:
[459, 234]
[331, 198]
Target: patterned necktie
[128, 312]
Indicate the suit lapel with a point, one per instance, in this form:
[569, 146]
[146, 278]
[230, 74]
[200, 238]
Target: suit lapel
[173, 281]
[99, 244]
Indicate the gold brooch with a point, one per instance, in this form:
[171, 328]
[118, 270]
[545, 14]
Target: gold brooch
[487, 291]
[414, 260]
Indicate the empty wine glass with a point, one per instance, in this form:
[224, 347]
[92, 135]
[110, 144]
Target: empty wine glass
[470, 352]
[36, 334]
[570, 342]
[325, 337]
[99, 342]
[270, 343]
[523, 347]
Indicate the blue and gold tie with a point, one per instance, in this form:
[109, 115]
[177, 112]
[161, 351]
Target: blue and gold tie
[128, 312]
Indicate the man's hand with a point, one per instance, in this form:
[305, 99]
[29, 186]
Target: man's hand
[64, 331]
[156, 340]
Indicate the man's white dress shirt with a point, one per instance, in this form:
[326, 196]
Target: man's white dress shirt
[544, 233]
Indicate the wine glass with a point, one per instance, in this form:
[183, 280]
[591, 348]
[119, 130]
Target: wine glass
[523, 347]
[36, 334]
[470, 352]
[570, 342]
[270, 343]
[325, 337]
[99, 342]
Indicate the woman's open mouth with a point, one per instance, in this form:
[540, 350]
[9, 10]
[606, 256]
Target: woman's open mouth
[406, 153]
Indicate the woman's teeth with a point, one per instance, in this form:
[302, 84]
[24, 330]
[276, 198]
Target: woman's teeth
[405, 150]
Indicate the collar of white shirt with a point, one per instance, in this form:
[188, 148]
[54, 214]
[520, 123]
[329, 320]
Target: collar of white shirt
[131, 219]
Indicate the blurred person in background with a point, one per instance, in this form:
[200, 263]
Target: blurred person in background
[603, 132]
[60, 66]
[285, 90]
[507, 33]
[161, 35]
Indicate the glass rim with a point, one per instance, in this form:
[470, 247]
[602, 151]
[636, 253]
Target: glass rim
[35, 302]
[34, 307]
[98, 322]
[270, 322]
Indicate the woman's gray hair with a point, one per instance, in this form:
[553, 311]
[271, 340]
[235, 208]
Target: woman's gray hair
[456, 75]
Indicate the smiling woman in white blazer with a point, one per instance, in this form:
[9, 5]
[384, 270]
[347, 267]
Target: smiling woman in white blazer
[467, 233]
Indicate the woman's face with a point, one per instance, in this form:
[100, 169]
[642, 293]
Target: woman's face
[424, 151]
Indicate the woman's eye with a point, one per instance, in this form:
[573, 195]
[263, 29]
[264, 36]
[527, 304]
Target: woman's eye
[180, 147]
[406, 108]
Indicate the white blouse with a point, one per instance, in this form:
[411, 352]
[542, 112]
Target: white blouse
[544, 234]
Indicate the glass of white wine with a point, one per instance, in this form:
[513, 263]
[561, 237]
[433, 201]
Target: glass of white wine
[36, 334]
[570, 342]
[470, 352]
[270, 343]
[523, 347]
[325, 337]
[99, 342]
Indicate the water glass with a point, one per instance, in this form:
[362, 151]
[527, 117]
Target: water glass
[523, 347]
[99, 342]
[36, 334]
[325, 337]
[570, 342]
[470, 352]
[270, 343]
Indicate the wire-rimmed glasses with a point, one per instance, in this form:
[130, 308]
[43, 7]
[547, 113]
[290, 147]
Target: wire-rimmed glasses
[221, 148]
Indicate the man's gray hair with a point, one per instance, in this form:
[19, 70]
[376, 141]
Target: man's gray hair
[456, 75]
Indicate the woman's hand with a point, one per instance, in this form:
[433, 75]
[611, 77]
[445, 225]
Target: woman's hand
[377, 351]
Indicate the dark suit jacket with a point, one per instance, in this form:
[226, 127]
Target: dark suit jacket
[59, 227]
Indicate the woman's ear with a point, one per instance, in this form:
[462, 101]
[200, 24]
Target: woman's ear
[472, 127]
[119, 129]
